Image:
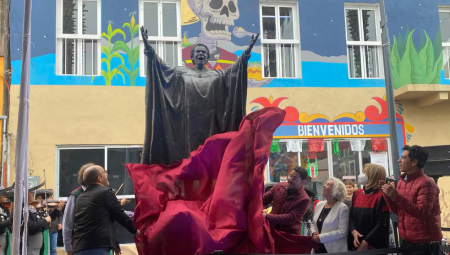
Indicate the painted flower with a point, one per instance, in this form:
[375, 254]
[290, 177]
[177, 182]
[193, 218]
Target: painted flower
[291, 112]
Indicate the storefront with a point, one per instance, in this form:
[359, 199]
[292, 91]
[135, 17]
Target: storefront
[337, 147]
[338, 159]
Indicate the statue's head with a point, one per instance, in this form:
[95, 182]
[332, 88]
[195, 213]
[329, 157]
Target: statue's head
[199, 55]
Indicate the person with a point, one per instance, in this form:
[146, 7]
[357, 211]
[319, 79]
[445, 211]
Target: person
[69, 211]
[369, 213]
[36, 224]
[199, 101]
[350, 188]
[330, 222]
[415, 201]
[289, 202]
[55, 215]
[5, 219]
[96, 210]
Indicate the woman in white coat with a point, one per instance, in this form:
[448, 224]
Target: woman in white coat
[330, 222]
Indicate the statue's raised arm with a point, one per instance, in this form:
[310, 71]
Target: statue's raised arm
[255, 37]
[145, 39]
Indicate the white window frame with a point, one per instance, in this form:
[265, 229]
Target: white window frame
[361, 42]
[445, 45]
[443, 8]
[87, 147]
[80, 36]
[278, 41]
[159, 39]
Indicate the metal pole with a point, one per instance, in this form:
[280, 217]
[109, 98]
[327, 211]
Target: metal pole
[389, 90]
[21, 162]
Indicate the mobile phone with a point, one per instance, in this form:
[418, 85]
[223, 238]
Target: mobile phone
[390, 179]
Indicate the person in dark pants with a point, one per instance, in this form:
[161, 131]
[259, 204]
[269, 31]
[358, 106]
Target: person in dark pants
[415, 201]
[56, 216]
[69, 211]
[96, 210]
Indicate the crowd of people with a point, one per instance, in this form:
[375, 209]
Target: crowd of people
[348, 220]
[345, 220]
[86, 219]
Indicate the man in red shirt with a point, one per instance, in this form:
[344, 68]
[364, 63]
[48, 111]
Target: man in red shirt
[415, 201]
[290, 202]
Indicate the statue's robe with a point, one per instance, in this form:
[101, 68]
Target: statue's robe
[185, 106]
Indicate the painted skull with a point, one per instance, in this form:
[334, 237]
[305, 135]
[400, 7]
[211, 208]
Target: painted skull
[216, 16]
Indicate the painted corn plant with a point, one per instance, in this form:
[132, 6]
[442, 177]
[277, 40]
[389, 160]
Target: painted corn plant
[131, 51]
[111, 53]
[411, 66]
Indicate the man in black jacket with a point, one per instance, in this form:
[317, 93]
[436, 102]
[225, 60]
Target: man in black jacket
[96, 210]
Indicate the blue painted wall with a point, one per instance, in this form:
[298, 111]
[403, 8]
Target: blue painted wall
[322, 32]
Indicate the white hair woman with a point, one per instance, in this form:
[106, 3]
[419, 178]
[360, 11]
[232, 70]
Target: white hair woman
[330, 222]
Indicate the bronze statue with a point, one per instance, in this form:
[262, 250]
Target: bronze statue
[185, 106]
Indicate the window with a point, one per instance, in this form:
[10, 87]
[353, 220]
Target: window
[78, 39]
[163, 23]
[444, 17]
[345, 164]
[363, 41]
[112, 158]
[280, 39]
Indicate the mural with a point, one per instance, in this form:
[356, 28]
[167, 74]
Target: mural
[416, 66]
[368, 123]
[224, 26]
[217, 19]
[112, 51]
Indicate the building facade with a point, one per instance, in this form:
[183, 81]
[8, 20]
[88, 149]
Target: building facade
[319, 60]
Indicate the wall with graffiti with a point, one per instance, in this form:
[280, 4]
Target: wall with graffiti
[226, 28]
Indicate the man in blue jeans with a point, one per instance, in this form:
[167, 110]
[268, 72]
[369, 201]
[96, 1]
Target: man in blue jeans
[55, 226]
[55, 215]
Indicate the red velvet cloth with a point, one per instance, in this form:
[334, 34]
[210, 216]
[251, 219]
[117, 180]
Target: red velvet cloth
[213, 200]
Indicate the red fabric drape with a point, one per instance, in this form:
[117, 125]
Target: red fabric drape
[213, 200]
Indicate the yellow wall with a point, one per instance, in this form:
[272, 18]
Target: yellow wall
[431, 124]
[64, 115]
[89, 115]
[328, 101]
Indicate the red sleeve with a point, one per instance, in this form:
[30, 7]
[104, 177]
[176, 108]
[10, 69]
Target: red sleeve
[392, 205]
[268, 196]
[291, 217]
[426, 197]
